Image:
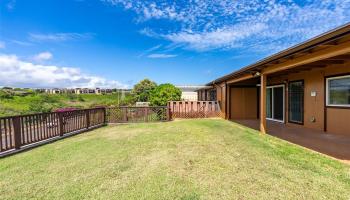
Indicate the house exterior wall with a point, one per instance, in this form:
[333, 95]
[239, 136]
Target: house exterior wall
[333, 119]
[241, 103]
[244, 103]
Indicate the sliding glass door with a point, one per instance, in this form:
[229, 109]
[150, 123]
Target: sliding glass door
[275, 103]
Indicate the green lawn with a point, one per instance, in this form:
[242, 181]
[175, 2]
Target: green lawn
[189, 159]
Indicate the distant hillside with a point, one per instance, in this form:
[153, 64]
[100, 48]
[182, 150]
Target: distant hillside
[26, 102]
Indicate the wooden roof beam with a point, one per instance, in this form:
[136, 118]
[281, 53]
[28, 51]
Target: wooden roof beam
[345, 57]
[329, 62]
[309, 58]
[241, 78]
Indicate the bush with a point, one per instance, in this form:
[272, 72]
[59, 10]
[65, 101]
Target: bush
[6, 94]
[81, 99]
[39, 107]
[143, 89]
[164, 93]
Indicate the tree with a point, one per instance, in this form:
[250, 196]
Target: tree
[143, 89]
[164, 93]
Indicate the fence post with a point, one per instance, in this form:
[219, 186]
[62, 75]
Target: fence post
[105, 121]
[146, 114]
[168, 112]
[17, 132]
[60, 123]
[125, 114]
[87, 113]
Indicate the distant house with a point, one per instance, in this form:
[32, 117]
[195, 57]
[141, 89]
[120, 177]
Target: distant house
[189, 92]
[142, 104]
[82, 90]
[54, 91]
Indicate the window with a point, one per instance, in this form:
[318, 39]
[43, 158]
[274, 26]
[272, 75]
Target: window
[338, 91]
[212, 95]
[296, 102]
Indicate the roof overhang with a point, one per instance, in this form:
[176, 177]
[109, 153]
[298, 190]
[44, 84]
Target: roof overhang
[328, 39]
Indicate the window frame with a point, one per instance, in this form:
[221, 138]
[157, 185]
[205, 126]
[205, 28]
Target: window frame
[327, 91]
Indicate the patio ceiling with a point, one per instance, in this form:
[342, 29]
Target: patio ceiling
[334, 61]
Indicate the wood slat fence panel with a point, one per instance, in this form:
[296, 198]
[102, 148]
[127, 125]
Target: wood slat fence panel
[137, 114]
[22, 130]
[6, 134]
[194, 109]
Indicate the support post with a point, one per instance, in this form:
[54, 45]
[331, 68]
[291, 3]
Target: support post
[263, 80]
[228, 102]
[17, 132]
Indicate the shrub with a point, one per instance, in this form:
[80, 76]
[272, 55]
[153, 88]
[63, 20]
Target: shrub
[164, 93]
[143, 89]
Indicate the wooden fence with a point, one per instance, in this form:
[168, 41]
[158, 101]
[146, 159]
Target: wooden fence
[19, 131]
[137, 114]
[194, 109]
[23, 131]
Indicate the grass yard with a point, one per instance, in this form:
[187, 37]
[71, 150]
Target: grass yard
[189, 159]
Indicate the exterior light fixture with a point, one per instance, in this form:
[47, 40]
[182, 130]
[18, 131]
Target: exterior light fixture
[255, 73]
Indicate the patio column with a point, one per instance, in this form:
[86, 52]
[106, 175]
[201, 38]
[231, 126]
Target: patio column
[228, 101]
[263, 80]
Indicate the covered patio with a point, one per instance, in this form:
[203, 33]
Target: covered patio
[327, 143]
[301, 94]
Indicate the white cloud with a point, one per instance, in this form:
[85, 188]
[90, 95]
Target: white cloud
[268, 25]
[220, 38]
[59, 37]
[2, 45]
[156, 55]
[43, 56]
[149, 50]
[18, 73]
[22, 43]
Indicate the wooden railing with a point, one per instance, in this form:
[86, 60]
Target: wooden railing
[19, 131]
[194, 109]
[127, 114]
[24, 131]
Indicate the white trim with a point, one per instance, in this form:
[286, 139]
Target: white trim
[272, 103]
[275, 120]
[274, 86]
[327, 91]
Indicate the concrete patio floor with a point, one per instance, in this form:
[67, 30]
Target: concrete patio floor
[333, 145]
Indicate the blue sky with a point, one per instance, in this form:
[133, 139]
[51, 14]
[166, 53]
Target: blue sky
[116, 43]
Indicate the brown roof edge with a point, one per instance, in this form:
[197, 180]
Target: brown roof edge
[325, 37]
